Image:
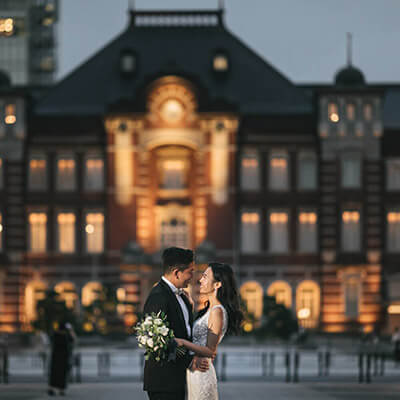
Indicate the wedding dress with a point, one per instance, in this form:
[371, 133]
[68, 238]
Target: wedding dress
[203, 385]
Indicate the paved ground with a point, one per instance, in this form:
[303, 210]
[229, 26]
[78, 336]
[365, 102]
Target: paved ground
[228, 391]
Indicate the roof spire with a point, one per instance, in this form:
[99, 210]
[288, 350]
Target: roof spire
[131, 5]
[221, 5]
[349, 49]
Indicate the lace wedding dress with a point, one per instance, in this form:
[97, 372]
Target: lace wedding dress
[203, 385]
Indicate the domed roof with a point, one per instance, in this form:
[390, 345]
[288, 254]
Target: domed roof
[349, 76]
[5, 80]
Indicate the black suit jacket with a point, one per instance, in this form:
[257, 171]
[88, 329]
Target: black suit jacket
[167, 376]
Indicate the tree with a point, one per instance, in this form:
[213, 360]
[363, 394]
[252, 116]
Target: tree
[51, 311]
[278, 321]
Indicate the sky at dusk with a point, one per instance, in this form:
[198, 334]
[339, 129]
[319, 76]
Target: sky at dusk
[304, 39]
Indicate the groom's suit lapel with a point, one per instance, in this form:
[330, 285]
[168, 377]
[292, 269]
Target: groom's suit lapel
[176, 306]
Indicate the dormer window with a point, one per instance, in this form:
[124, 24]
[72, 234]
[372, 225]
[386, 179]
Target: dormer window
[220, 62]
[10, 117]
[333, 112]
[128, 63]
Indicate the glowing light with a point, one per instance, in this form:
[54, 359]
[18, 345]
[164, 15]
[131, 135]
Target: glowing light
[250, 163]
[278, 162]
[393, 217]
[250, 218]
[1, 228]
[88, 327]
[394, 309]
[334, 117]
[172, 110]
[89, 229]
[6, 26]
[10, 117]
[37, 218]
[248, 327]
[350, 216]
[333, 112]
[303, 313]
[220, 62]
[308, 218]
[278, 218]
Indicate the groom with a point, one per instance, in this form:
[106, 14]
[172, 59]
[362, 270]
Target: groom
[167, 381]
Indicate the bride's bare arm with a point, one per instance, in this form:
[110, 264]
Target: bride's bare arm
[215, 323]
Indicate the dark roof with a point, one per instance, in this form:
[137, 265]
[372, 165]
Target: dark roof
[349, 76]
[182, 44]
[5, 81]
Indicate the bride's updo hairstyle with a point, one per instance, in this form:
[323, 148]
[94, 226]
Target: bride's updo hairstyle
[227, 295]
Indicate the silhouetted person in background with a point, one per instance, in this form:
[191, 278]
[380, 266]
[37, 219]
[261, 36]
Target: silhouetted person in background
[61, 357]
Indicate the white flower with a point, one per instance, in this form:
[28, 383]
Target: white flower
[143, 339]
[150, 342]
[156, 348]
[158, 321]
[163, 330]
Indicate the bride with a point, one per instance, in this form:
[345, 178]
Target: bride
[221, 315]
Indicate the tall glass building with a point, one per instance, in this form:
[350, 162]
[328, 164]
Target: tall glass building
[28, 40]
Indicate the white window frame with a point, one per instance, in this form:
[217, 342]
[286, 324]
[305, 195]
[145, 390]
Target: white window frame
[271, 184]
[86, 173]
[257, 244]
[38, 156]
[270, 224]
[70, 156]
[346, 242]
[245, 183]
[58, 236]
[85, 223]
[46, 232]
[299, 233]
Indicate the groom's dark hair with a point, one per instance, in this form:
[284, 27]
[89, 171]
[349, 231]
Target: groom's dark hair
[176, 258]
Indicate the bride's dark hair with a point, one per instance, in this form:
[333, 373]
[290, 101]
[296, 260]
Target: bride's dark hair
[227, 295]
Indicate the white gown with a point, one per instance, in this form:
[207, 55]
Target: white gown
[203, 385]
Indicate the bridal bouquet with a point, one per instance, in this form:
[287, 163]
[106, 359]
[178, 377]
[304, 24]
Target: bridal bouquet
[155, 336]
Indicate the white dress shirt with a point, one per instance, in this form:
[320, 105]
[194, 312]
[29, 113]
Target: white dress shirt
[182, 304]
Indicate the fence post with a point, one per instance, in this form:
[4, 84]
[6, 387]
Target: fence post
[287, 364]
[100, 364]
[327, 362]
[376, 359]
[320, 363]
[77, 362]
[223, 367]
[368, 374]
[264, 361]
[296, 367]
[272, 364]
[382, 369]
[360, 367]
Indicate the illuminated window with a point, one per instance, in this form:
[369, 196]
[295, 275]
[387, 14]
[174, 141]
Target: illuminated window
[250, 232]
[393, 174]
[47, 63]
[91, 292]
[94, 232]
[48, 21]
[34, 292]
[66, 232]
[308, 304]
[37, 232]
[333, 112]
[282, 292]
[1, 232]
[278, 232]
[351, 111]
[67, 293]
[351, 231]
[351, 171]
[174, 232]
[278, 171]
[6, 26]
[10, 114]
[352, 294]
[252, 295]
[250, 171]
[368, 112]
[173, 174]
[94, 174]
[37, 173]
[1, 174]
[393, 231]
[307, 232]
[307, 171]
[220, 63]
[66, 174]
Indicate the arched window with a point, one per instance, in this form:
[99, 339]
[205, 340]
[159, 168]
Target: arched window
[34, 292]
[308, 304]
[91, 292]
[282, 292]
[67, 292]
[252, 295]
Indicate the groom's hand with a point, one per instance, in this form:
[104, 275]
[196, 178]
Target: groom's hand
[201, 364]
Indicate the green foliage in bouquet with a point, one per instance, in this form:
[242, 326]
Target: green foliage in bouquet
[155, 336]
